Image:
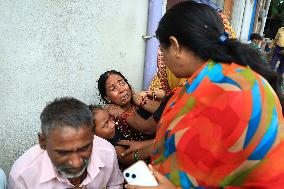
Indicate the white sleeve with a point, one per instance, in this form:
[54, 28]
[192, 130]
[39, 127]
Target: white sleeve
[116, 179]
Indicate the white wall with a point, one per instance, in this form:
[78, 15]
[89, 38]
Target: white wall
[237, 16]
[241, 18]
[54, 48]
[246, 21]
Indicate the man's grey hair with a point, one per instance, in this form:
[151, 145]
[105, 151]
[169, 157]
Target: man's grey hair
[66, 111]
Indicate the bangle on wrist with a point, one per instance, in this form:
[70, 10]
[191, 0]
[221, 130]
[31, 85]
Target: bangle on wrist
[151, 94]
[136, 155]
[154, 96]
[143, 102]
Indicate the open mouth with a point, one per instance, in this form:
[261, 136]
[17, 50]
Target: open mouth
[125, 97]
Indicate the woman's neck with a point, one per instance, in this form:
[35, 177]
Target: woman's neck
[127, 107]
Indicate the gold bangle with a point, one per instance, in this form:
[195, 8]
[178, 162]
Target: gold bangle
[154, 96]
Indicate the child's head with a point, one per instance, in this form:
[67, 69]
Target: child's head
[104, 124]
[256, 38]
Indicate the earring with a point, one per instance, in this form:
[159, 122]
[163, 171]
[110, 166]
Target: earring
[42, 147]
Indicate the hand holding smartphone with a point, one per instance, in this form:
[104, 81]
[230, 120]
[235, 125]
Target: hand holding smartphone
[139, 174]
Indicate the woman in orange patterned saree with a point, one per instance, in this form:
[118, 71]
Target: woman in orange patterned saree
[224, 127]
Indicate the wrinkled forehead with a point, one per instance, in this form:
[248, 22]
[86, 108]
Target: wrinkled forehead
[113, 80]
[69, 135]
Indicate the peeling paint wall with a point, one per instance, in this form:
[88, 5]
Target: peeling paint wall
[55, 48]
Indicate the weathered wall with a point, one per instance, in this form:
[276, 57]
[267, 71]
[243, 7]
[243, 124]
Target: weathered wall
[54, 48]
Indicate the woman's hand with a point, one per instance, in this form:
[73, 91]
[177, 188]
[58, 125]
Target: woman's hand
[114, 109]
[164, 182]
[137, 99]
[143, 93]
[156, 93]
[132, 145]
[160, 93]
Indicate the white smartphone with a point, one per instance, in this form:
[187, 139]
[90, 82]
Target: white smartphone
[139, 174]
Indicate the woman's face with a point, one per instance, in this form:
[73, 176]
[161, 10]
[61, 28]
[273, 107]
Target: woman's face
[169, 59]
[181, 61]
[104, 124]
[117, 90]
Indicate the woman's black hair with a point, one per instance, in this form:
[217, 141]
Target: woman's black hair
[102, 83]
[198, 28]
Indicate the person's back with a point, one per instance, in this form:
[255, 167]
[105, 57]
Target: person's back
[220, 131]
[224, 128]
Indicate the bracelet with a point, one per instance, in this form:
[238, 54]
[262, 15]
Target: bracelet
[143, 102]
[136, 155]
[125, 115]
[154, 96]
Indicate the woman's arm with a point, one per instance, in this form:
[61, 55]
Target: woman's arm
[153, 94]
[145, 147]
[145, 103]
[149, 100]
[147, 126]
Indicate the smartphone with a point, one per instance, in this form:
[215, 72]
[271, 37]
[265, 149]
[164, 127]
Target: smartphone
[139, 174]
